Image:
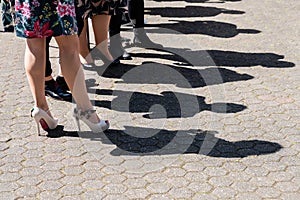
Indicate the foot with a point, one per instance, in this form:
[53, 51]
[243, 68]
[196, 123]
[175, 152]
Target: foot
[142, 40]
[91, 119]
[53, 89]
[9, 29]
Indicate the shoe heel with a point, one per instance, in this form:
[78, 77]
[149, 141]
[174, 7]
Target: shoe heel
[78, 123]
[38, 128]
[43, 119]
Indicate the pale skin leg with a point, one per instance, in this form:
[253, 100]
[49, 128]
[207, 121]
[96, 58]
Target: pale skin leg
[73, 73]
[35, 56]
[100, 27]
[35, 62]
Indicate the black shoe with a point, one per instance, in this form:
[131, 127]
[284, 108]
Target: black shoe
[9, 29]
[141, 39]
[53, 90]
[60, 80]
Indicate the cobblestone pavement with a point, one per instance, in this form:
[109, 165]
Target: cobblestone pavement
[212, 115]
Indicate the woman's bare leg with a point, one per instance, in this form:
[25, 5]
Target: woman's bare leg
[100, 27]
[85, 56]
[35, 61]
[73, 73]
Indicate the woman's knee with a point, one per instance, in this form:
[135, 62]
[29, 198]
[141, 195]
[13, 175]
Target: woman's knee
[68, 45]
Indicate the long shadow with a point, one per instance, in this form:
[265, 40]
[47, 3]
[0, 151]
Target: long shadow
[222, 58]
[156, 73]
[211, 28]
[190, 11]
[147, 141]
[166, 105]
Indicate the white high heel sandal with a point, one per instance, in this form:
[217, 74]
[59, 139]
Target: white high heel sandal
[42, 118]
[85, 115]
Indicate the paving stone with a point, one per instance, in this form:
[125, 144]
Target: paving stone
[51, 185]
[290, 196]
[262, 181]
[72, 197]
[215, 171]
[10, 176]
[224, 192]
[174, 172]
[8, 186]
[257, 154]
[158, 188]
[31, 171]
[28, 191]
[7, 195]
[139, 193]
[287, 187]
[33, 162]
[113, 188]
[52, 166]
[221, 181]
[155, 178]
[73, 170]
[11, 167]
[113, 179]
[93, 184]
[247, 196]
[159, 196]
[256, 171]
[268, 192]
[51, 175]
[71, 180]
[280, 176]
[71, 190]
[134, 183]
[203, 196]
[244, 187]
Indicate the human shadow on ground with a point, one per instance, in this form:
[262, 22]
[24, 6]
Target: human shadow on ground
[156, 73]
[190, 11]
[147, 141]
[165, 105]
[210, 28]
[221, 58]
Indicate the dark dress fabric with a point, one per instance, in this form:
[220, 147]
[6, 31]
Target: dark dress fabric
[44, 18]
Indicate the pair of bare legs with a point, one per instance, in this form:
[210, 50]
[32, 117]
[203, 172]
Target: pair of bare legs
[100, 28]
[35, 59]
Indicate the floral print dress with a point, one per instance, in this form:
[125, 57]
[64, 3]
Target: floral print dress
[43, 18]
[98, 7]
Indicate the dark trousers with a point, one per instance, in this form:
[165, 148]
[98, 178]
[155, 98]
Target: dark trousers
[48, 63]
[136, 15]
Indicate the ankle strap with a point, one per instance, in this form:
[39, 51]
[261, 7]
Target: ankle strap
[87, 114]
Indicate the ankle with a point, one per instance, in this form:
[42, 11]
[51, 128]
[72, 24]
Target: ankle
[89, 114]
[43, 107]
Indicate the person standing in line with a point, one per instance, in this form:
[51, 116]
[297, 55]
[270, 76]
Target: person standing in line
[99, 11]
[36, 20]
[58, 88]
[55, 88]
[136, 16]
[7, 15]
